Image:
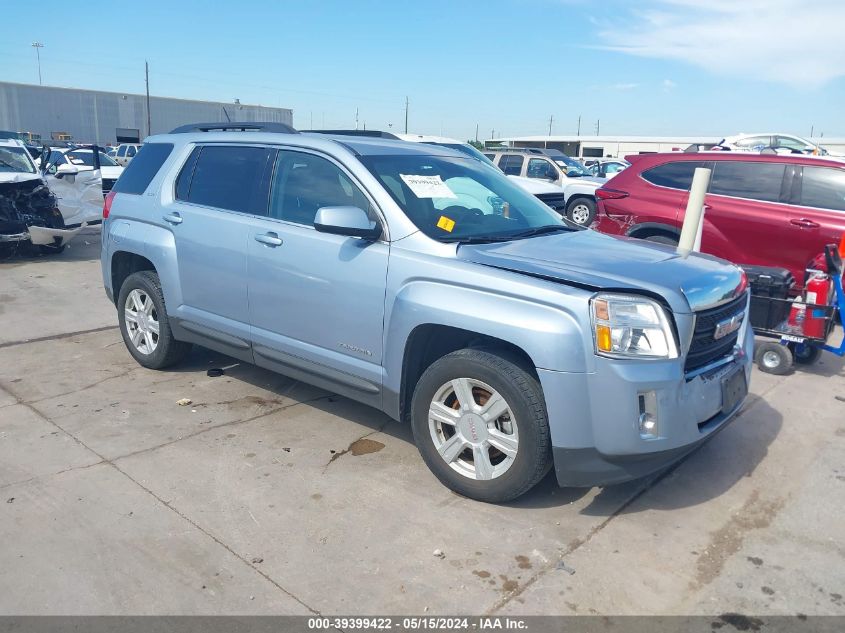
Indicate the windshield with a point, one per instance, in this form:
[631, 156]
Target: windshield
[467, 149]
[459, 199]
[16, 160]
[86, 157]
[571, 166]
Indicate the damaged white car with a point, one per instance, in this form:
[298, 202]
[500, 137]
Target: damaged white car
[48, 208]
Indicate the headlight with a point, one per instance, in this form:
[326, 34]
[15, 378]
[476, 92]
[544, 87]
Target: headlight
[630, 326]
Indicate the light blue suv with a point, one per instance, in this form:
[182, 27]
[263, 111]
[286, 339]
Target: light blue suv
[426, 284]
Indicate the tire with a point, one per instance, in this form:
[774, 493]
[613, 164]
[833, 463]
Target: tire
[773, 358]
[581, 211]
[805, 354]
[141, 294]
[473, 465]
[661, 239]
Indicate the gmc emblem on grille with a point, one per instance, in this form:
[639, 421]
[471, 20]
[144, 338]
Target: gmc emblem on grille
[723, 328]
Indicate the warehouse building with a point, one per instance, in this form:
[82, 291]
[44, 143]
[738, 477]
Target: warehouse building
[44, 113]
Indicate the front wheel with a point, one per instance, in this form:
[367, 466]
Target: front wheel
[581, 211]
[144, 323]
[480, 424]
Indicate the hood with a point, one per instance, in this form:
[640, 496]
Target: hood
[18, 176]
[111, 172]
[535, 186]
[598, 181]
[598, 261]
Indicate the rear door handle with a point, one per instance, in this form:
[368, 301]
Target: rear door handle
[173, 218]
[270, 239]
[805, 223]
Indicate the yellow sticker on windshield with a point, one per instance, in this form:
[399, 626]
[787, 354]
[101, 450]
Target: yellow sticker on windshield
[447, 224]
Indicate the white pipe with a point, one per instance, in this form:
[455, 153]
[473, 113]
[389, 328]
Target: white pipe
[694, 216]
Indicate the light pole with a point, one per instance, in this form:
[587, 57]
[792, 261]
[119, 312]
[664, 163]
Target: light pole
[37, 46]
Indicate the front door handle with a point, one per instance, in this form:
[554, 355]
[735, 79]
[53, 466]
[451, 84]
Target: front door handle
[270, 239]
[173, 218]
[805, 223]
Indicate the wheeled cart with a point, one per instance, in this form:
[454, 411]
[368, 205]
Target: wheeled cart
[800, 328]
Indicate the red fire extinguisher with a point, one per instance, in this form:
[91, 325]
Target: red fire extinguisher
[818, 290]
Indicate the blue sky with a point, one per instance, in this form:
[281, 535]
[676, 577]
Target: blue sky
[685, 67]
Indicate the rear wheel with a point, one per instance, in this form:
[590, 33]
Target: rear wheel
[480, 424]
[144, 323]
[773, 358]
[581, 211]
[805, 354]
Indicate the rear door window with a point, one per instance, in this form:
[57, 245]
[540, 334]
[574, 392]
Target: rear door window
[823, 188]
[130, 151]
[121, 151]
[673, 175]
[137, 176]
[511, 164]
[228, 177]
[755, 181]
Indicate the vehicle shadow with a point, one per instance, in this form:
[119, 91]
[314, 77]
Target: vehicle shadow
[709, 471]
[706, 473]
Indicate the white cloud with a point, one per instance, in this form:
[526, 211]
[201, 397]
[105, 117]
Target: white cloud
[796, 42]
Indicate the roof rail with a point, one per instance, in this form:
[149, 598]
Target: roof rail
[238, 126]
[367, 133]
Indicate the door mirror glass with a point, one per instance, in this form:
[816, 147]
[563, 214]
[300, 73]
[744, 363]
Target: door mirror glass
[351, 221]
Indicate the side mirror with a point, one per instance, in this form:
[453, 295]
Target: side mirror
[66, 170]
[351, 221]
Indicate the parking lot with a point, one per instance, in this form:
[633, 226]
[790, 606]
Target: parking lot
[268, 496]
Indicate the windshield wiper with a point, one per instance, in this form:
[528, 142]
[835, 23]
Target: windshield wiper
[541, 230]
[532, 232]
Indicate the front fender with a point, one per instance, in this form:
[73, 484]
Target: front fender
[585, 189]
[551, 335]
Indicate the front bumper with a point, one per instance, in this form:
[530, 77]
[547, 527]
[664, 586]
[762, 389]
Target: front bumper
[594, 417]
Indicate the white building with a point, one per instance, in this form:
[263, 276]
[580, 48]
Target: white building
[621, 146]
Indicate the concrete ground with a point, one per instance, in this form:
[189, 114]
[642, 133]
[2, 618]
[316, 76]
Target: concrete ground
[266, 495]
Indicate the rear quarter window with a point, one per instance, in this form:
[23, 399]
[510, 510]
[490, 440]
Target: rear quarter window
[673, 175]
[138, 175]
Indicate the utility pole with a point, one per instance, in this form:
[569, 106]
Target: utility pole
[476, 132]
[356, 118]
[811, 131]
[406, 115]
[598, 126]
[579, 125]
[37, 46]
[551, 120]
[149, 117]
[492, 133]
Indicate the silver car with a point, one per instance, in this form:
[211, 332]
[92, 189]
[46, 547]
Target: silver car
[428, 285]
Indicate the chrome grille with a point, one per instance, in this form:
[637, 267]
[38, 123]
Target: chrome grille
[705, 347]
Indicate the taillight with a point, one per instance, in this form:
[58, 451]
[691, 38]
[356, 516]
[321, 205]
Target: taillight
[107, 204]
[610, 194]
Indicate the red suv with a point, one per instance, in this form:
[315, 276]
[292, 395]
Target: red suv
[768, 210]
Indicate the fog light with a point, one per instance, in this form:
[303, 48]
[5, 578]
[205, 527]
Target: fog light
[648, 415]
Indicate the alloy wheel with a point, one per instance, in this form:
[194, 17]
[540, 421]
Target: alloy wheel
[141, 318]
[473, 429]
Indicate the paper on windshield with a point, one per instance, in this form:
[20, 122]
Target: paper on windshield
[428, 186]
